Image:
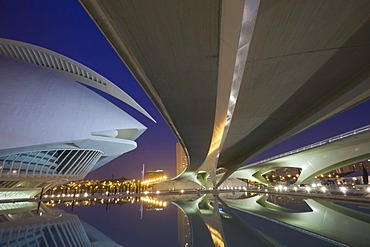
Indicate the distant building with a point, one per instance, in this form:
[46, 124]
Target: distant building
[354, 167]
[181, 159]
[151, 175]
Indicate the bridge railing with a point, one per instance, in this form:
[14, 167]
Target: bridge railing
[314, 145]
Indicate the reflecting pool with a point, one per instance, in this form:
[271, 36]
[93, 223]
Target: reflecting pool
[219, 219]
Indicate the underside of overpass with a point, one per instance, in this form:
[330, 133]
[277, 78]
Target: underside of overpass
[233, 78]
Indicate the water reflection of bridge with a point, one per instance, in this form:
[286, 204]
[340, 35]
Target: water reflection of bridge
[216, 221]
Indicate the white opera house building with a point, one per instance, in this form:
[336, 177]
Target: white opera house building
[53, 128]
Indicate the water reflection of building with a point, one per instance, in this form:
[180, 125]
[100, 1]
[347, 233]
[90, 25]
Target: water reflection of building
[184, 229]
[294, 203]
[30, 224]
[22, 224]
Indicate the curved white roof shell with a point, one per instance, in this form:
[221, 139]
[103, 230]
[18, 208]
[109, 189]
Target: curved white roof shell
[39, 106]
[76, 71]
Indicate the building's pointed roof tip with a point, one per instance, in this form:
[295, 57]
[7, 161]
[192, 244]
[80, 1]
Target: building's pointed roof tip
[49, 59]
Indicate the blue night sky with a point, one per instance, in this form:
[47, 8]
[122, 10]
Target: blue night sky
[64, 27]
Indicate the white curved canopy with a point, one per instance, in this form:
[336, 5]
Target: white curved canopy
[76, 71]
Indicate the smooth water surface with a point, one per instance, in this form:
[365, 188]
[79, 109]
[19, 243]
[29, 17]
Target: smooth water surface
[226, 219]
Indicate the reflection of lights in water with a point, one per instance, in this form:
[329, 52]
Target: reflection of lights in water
[153, 201]
[216, 236]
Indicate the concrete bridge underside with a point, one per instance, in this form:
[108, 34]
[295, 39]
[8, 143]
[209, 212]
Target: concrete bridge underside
[233, 78]
[315, 161]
